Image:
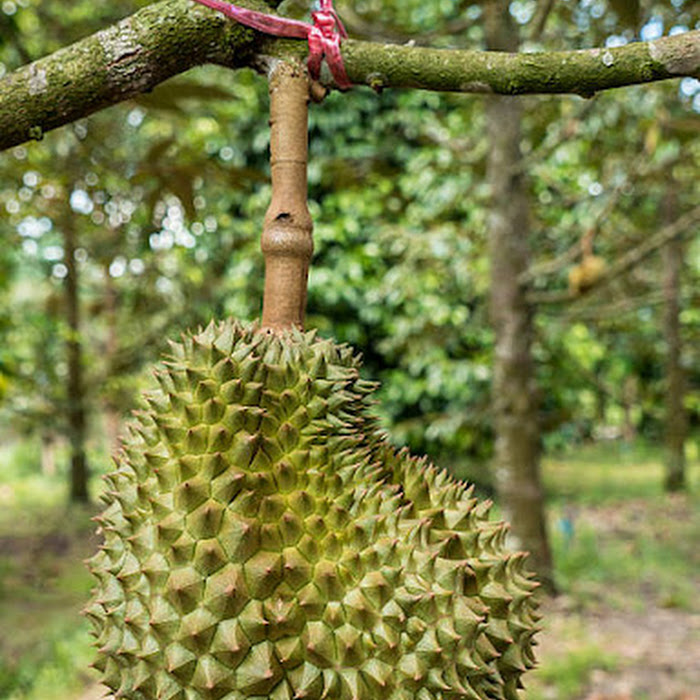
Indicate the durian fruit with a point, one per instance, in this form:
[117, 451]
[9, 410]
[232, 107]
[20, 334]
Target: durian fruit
[263, 540]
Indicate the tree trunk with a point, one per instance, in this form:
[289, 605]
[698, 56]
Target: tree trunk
[676, 418]
[75, 387]
[630, 398]
[48, 454]
[515, 401]
[112, 415]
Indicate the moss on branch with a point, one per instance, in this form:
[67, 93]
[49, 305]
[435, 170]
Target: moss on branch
[170, 37]
[119, 62]
[578, 72]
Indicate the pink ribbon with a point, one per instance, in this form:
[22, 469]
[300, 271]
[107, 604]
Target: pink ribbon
[323, 35]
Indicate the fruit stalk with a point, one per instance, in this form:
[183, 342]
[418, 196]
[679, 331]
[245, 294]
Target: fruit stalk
[287, 243]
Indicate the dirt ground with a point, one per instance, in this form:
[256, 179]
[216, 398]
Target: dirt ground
[657, 651]
[655, 647]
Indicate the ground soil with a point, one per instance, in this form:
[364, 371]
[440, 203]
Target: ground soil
[656, 647]
[657, 651]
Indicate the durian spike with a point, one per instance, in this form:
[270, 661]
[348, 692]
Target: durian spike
[287, 244]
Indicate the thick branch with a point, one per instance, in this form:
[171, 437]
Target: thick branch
[579, 72]
[169, 37]
[122, 61]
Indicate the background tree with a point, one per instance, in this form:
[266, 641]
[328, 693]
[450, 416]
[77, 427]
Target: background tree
[514, 390]
[675, 418]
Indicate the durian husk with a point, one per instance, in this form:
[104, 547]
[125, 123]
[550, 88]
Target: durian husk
[262, 539]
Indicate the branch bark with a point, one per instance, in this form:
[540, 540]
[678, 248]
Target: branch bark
[287, 243]
[115, 64]
[172, 36]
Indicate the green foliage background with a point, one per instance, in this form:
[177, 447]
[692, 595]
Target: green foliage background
[168, 193]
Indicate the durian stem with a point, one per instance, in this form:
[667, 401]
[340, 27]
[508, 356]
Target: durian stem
[287, 244]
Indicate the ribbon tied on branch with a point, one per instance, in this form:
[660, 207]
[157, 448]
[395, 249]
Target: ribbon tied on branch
[324, 35]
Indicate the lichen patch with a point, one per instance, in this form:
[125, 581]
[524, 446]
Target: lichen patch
[119, 42]
[679, 58]
[38, 82]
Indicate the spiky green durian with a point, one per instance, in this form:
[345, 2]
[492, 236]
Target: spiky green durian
[262, 540]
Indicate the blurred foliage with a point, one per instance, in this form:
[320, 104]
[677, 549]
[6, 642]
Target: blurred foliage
[167, 194]
[46, 648]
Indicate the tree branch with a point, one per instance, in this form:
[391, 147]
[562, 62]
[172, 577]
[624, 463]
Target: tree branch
[611, 311]
[684, 226]
[639, 170]
[577, 72]
[115, 64]
[169, 37]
